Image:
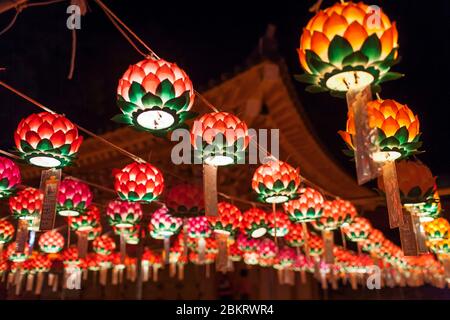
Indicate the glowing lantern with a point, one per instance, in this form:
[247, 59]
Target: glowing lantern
[251, 258]
[437, 229]
[358, 230]
[9, 177]
[278, 224]
[254, 222]
[335, 214]
[246, 244]
[234, 252]
[198, 227]
[219, 138]
[416, 182]
[276, 182]
[374, 241]
[228, 221]
[307, 208]
[6, 232]
[163, 224]
[14, 256]
[47, 140]
[267, 249]
[41, 263]
[440, 246]
[315, 245]
[397, 127]
[103, 245]
[70, 257]
[86, 221]
[348, 46]
[139, 182]
[73, 197]
[51, 242]
[286, 258]
[185, 200]
[95, 232]
[154, 95]
[27, 204]
[123, 214]
[131, 235]
[4, 266]
[431, 209]
[295, 236]
[93, 261]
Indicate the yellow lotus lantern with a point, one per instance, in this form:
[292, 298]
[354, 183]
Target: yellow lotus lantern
[437, 229]
[348, 46]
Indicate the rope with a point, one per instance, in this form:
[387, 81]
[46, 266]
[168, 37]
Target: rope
[9, 26]
[73, 54]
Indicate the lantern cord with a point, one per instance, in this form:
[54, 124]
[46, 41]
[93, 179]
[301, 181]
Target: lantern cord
[9, 26]
[10, 155]
[88, 132]
[73, 54]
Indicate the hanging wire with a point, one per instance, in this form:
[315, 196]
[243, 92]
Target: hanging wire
[9, 26]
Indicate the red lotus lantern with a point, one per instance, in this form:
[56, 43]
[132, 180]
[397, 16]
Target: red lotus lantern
[315, 245]
[185, 200]
[41, 263]
[219, 139]
[15, 256]
[103, 245]
[254, 222]
[73, 197]
[131, 235]
[51, 242]
[286, 258]
[374, 241]
[6, 232]
[228, 221]
[27, 204]
[139, 182]
[9, 177]
[295, 236]
[278, 224]
[335, 214]
[234, 252]
[86, 221]
[163, 224]
[71, 258]
[154, 95]
[123, 214]
[246, 244]
[4, 266]
[276, 182]
[92, 261]
[267, 249]
[47, 140]
[307, 208]
[198, 227]
[358, 230]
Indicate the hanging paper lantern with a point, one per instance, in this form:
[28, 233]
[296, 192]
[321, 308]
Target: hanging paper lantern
[278, 224]
[103, 245]
[70, 257]
[4, 266]
[437, 229]
[374, 241]
[234, 253]
[358, 230]
[92, 261]
[431, 209]
[123, 214]
[228, 220]
[47, 140]
[154, 95]
[335, 214]
[276, 182]
[6, 232]
[254, 222]
[14, 256]
[440, 246]
[9, 177]
[131, 235]
[86, 221]
[286, 258]
[73, 197]
[251, 258]
[139, 182]
[185, 200]
[247, 244]
[267, 249]
[315, 245]
[27, 204]
[295, 236]
[307, 208]
[303, 264]
[397, 127]
[41, 263]
[93, 233]
[219, 139]
[348, 46]
[198, 227]
[51, 242]
[163, 224]
[416, 182]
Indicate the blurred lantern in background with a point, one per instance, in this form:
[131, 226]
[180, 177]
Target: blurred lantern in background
[138, 182]
[315, 245]
[73, 197]
[26, 204]
[163, 224]
[14, 255]
[51, 242]
[278, 224]
[6, 233]
[228, 220]
[374, 241]
[295, 237]
[437, 229]
[254, 222]
[358, 230]
[103, 245]
[307, 208]
[123, 214]
[185, 200]
[234, 252]
[267, 249]
[348, 46]
[154, 95]
[47, 140]
[9, 177]
[276, 182]
[247, 244]
[86, 221]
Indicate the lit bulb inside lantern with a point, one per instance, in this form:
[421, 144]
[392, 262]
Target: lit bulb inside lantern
[155, 119]
[277, 199]
[385, 156]
[425, 219]
[349, 80]
[258, 233]
[68, 213]
[224, 232]
[218, 161]
[45, 162]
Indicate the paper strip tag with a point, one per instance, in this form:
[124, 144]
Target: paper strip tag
[49, 186]
[22, 235]
[407, 236]
[123, 248]
[391, 189]
[328, 241]
[222, 256]
[82, 244]
[420, 235]
[366, 168]
[210, 190]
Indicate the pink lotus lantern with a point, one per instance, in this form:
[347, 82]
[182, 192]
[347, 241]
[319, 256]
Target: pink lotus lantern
[51, 242]
[73, 197]
[9, 177]
[123, 214]
[198, 227]
[246, 244]
[163, 224]
[286, 258]
[267, 249]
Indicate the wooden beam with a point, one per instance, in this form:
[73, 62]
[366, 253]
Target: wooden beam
[6, 5]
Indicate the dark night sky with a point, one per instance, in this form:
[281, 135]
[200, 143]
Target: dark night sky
[208, 39]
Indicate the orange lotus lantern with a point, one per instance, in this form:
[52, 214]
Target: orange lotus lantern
[358, 230]
[307, 208]
[437, 229]
[254, 222]
[295, 237]
[374, 241]
[336, 213]
[228, 220]
[278, 224]
[348, 46]
[276, 182]
[155, 95]
[47, 140]
[6, 232]
[27, 204]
